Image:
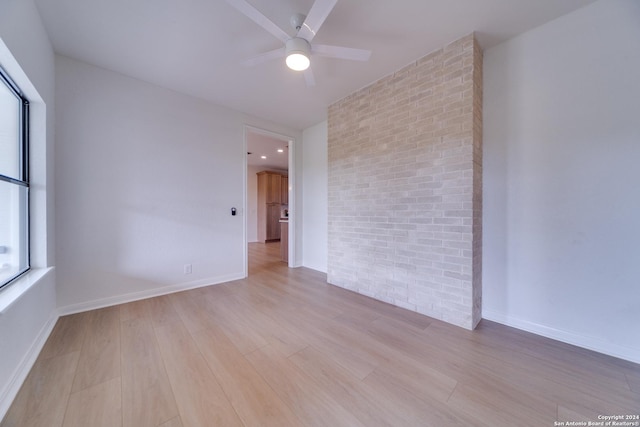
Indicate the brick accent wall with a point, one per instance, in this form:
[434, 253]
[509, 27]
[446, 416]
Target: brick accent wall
[405, 187]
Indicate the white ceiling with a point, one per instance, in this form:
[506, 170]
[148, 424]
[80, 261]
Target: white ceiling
[264, 145]
[197, 46]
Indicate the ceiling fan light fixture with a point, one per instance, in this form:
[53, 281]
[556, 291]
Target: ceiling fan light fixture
[298, 52]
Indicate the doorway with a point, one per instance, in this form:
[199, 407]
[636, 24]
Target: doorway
[269, 219]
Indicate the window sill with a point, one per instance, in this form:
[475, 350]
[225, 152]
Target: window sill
[20, 286]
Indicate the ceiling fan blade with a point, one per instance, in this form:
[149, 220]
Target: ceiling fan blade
[315, 18]
[341, 52]
[309, 77]
[264, 57]
[255, 15]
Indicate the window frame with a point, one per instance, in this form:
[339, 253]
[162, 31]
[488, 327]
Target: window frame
[23, 179]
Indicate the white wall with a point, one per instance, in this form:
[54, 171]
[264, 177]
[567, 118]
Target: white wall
[561, 179]
[146, 178]
[314, 197]
[27, 308]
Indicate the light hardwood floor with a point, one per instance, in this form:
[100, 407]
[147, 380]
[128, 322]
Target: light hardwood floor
[283, 348]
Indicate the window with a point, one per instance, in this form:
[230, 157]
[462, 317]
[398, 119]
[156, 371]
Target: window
[14, 181]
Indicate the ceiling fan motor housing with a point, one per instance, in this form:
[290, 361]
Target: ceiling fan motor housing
[298, 45]
[297, 20]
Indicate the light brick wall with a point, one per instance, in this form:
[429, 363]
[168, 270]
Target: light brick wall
[405, 183]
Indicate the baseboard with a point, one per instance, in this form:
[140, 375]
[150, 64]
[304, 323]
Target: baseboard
[135, 296]
[20, 374]
[590, 343]
[316, 268]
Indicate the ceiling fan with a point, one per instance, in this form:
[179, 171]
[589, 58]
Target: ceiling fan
[298, 49]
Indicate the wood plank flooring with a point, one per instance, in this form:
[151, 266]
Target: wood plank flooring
[283, 348]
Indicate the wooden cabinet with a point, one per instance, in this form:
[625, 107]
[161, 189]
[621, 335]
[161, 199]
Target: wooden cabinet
[270, 201]
[269, 187]
[284, 192]
[274, 188]
[273, 222]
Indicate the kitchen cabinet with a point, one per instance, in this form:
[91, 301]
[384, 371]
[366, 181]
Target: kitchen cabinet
[270, 205]
[274, 188]
[284, 192]
[273, 222]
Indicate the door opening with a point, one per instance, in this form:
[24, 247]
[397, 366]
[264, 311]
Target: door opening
[269, 195]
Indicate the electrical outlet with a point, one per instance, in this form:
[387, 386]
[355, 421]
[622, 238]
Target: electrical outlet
[187, 269]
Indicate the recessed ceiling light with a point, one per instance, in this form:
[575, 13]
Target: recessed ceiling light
[280, 150]
[263, 157]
